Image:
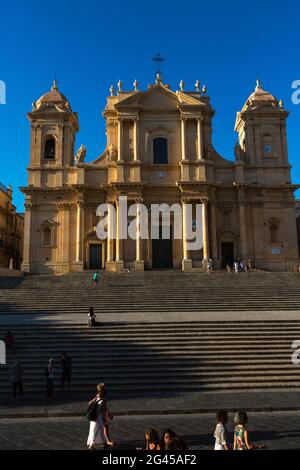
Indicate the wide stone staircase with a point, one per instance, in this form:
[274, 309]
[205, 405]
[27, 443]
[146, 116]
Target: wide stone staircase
[158, 358]
[160, 291]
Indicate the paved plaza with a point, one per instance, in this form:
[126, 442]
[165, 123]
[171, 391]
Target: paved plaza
[276, 430]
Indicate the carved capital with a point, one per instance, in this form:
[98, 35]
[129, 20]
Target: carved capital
[138, 200]
[64, 205]
[28, 206]
[111, 123]
[80, 203]
[204, 200]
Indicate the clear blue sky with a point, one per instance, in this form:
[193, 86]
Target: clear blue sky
[91, 44]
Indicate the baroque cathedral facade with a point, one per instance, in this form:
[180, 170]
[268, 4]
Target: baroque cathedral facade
[159, 150]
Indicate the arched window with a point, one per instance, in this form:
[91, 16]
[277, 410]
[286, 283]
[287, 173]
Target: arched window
[47, 236]
[274, 233]
[160, 150]
[50, 148]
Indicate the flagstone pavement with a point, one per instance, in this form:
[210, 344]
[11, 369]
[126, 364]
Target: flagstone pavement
[276, 430]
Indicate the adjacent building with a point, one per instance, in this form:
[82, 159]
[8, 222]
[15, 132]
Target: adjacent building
[11, 231]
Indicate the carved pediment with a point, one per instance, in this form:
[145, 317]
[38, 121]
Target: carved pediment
[154, 98]
[159, 97]
[49, 223]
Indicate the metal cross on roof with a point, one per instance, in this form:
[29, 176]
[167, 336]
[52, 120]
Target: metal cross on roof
[158, 59]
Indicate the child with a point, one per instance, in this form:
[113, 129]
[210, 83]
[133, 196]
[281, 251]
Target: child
[241, 441]
[152, 440]
[91, 317]
[221, 431]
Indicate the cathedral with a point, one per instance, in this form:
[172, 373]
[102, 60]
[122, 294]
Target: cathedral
[159, 150]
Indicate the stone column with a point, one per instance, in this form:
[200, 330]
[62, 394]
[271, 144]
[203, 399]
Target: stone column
[186, 262]
[258, 149]
[135, 139]
[120, 161]
[64, 239]
[27, 261]
[33, 145]
[243, 228]
[120, 140]
[36, 176]
[59, 144]
[40, 147]
[79, 232]
[183, 139]
[213, 230]
[110, 234]
[199, 139]
[139, 263]
[205, 232]
[284, 144]
[119, 263]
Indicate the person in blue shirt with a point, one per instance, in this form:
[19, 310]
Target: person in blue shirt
[95, 278]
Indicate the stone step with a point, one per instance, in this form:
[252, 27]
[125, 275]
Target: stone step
[133, 389]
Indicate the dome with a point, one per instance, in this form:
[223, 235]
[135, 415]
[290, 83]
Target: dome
[52, 98]
[260, 98]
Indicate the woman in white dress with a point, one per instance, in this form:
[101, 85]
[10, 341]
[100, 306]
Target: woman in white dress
[98, 435]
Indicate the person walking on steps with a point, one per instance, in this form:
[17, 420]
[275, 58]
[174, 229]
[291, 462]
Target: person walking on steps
[98, 411]
[91, 317]
[95, 278]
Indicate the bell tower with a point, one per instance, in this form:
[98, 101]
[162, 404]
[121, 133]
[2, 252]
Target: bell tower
[261, 128]
[53, 125]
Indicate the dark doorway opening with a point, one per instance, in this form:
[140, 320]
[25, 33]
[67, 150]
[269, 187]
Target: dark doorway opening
[162, 252]
[96, 256]
[227, 254]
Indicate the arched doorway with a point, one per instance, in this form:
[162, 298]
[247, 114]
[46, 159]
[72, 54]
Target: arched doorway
[227, 247]
[95, 251]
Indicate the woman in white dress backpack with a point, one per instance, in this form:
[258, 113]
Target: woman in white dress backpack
[98, 415]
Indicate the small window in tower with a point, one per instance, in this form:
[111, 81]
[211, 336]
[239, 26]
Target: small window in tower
[50, 148]
[160, 150]
[47, 236]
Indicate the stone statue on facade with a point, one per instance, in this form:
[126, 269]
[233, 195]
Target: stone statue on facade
[80, 155]
[111, 155]
[238, 152]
